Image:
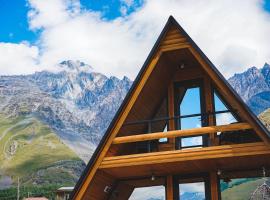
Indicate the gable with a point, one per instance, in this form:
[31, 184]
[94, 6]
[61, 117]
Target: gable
[147, 97]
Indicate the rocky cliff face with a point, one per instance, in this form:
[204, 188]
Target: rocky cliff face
[253, 86]
[76, 102]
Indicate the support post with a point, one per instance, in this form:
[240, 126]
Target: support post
[169, 188]
[214, 185]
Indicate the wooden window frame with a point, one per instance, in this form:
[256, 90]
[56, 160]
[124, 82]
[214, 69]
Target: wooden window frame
[190, 84]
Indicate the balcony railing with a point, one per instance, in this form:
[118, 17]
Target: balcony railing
[181, 133]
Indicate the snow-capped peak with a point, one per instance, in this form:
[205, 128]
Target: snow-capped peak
[75, 66]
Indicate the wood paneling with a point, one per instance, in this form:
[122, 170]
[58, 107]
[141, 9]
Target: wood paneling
[96, 189]
[214, 152]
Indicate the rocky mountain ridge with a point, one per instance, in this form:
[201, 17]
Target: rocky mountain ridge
[253, 86]
[76, 102]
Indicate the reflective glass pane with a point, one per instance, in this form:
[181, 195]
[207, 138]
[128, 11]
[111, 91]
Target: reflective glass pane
[191, 141]
[219, 105]
[190, 122]
[225, 118]
[190, 191]
[163, 140]
[148, 193]
[222, 118]
[191, 103]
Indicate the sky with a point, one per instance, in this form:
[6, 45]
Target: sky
[115, 36]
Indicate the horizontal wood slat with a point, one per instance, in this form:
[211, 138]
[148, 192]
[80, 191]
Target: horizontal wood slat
[181, 133]
[249, 149]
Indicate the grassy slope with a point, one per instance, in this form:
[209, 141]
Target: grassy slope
[242, 191]
[29, 146]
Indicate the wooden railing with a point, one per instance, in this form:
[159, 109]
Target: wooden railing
[181, 133]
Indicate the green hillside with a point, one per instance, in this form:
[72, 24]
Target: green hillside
[30, 150]
[241, 190]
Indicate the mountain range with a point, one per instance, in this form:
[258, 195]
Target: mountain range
[253, 86]
[66, 112]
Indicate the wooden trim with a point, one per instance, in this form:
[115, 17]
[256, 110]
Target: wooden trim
[169, 188]
[181, 133]
[214, 184]
[171, 112]
[174, 47]
[209, 108]
[214, 152]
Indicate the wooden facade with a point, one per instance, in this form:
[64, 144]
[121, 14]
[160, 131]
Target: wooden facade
[145, 145]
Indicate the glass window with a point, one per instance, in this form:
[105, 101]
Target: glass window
[190, 104]
[192, 190]
[149, 193]
[164, 140]
[222, 118]
[188, 142]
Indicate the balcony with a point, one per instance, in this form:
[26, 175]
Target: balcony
[245, 149]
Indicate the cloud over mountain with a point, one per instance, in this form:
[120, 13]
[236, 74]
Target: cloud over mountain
[231, 33]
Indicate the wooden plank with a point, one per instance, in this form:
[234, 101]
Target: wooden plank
[210, 108]
[175, 152]
[174, 41]
[174, 47]
[169, 188]
[214, 184]
[249, 149]
[171, 113]
[180, 133]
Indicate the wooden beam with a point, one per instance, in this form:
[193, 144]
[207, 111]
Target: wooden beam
[169, 188]
[210, 108]
[214, 152]
[214, 184]
[180, 133]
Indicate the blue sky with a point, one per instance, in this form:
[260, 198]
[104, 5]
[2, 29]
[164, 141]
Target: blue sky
[13, 17]
[115, 36]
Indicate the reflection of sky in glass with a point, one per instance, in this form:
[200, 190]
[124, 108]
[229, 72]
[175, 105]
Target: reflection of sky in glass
[192, 188]
[219, 106]
[223, 118]
[191, 104]
[191, 141]
[145, 193]
[164, 139]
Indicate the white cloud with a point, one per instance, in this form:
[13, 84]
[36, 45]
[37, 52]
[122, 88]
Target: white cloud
[233, 34]
[18, 58]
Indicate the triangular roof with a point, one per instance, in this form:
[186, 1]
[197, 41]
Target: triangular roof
[255, 122]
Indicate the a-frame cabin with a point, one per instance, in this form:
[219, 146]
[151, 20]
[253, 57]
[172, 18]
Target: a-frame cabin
[181, 122]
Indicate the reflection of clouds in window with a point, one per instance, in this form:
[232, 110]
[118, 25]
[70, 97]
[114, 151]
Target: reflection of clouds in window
[191, 188]
[225, 118]
[145, 193]
[191, 141]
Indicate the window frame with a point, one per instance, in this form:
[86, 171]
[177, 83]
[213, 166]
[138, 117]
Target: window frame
[189, 84]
